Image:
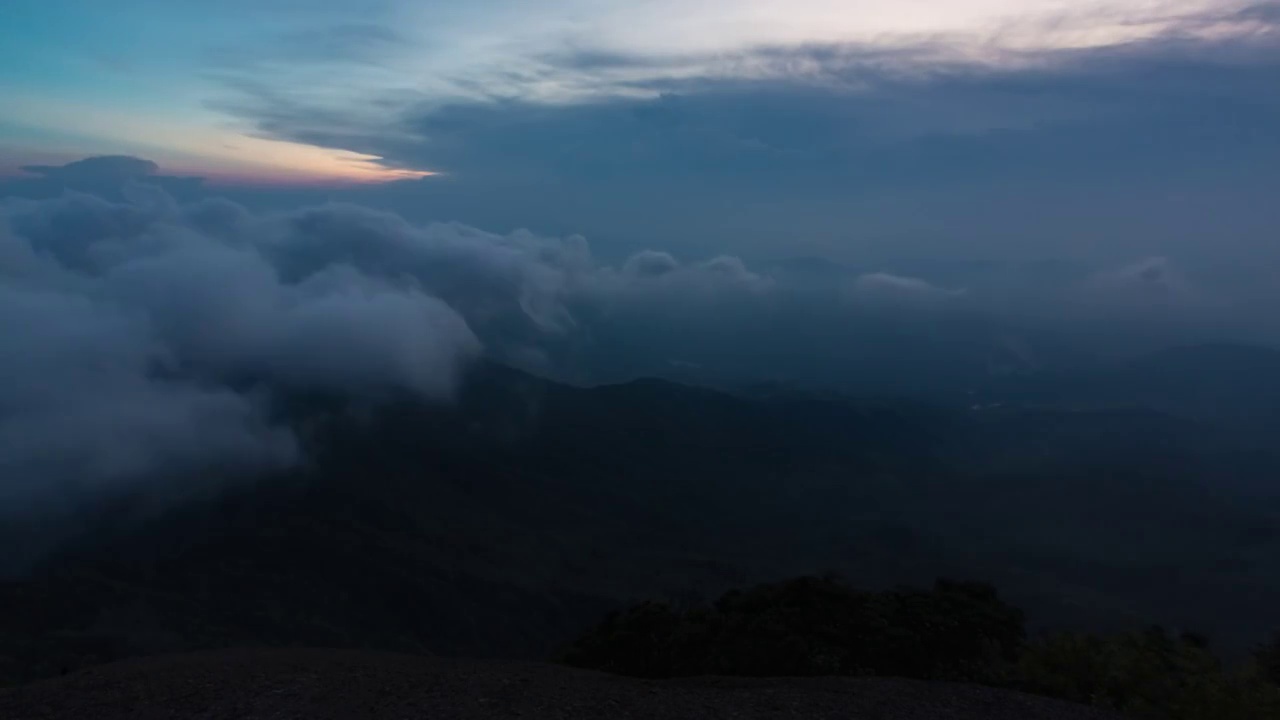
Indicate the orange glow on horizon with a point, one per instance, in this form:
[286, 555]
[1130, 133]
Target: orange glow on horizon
[278, 179]
[247, 159]
[295, 176]
[198, 147]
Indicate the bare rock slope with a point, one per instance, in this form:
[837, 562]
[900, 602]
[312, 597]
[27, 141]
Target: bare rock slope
[319, 684]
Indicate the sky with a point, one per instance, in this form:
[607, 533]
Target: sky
[909, 136]
[288, 91]
[881, 131]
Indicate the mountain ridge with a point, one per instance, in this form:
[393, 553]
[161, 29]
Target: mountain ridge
[530, 508]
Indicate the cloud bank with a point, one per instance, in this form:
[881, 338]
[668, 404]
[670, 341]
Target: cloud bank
[148, 337]
[131, 329]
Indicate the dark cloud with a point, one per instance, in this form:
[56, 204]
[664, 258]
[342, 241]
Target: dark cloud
[1265, 12]
[107, 169]
[795, 106]
[838, 151]
[110, 176]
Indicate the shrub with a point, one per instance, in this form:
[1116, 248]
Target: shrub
[813, 626]
[954, 631]
[1267, 657]
[1146, 675]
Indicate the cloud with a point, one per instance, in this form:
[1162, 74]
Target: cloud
[500, 50]
[837, 150]
[650, 264]
[84, 407]
[155, 333]
[109, 169]
[653, 291]
[1153, 286]
[1154, 277]
[1265, 12]
[111, 176]
[653, 270]
[898, 291]
[132, 328]
[851, 78]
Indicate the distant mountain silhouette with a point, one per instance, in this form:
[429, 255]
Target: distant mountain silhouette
[1210, 381]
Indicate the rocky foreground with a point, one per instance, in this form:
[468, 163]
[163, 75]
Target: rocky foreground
[320, 684]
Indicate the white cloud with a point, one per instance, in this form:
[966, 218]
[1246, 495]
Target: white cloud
[85, 403]
[898, 291]
[125, 325]
[727, 25]
[134, 327]
[681, 39]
